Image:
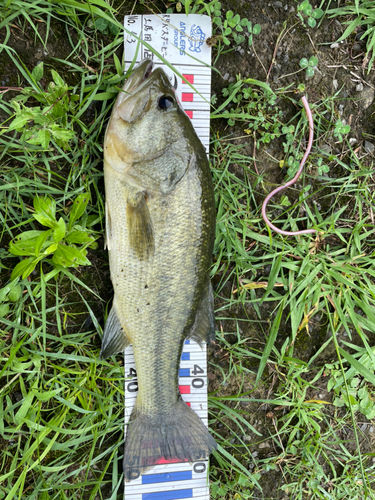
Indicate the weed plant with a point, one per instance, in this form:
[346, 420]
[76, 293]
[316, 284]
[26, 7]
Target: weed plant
[364, 17]
[61, 424]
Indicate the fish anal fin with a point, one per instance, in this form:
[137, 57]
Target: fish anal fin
[139, 224]
[114, 337]
[203, 329]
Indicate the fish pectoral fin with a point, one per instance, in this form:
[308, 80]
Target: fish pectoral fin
[114, 337]
[203, 329]
[139, 224]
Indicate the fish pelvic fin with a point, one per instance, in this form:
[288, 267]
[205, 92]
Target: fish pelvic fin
[114, 337]
[179, 435]
[139, 224]
[203, 329]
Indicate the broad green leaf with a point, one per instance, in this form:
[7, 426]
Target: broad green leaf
[57, 111]
[311, 22]
[310, 71]
[37, 72]
[60, 230]
[80, 237]
[240, 39]
[15, 293]
[44, 137]
[115, 30]
[24, 268]
[4, 310]
[40, 241]
[317, 13]
[51, 249]
[20, 121]
[57, 78]
[101, 24]
[62, 134]
[79, 207]
[69, 256]
[307, 9]
[42, 119]
[24, 244]
[257, 29]
[304, 62]
[45, 210]
[4, 292]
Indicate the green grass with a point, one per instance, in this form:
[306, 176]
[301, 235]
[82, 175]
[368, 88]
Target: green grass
[61, 409]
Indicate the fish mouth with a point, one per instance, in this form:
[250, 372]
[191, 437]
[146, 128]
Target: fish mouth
[139, 76]
[144, 75]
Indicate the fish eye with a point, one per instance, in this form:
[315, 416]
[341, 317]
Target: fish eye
[165, 102]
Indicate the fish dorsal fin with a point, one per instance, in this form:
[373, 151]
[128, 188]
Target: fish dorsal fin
[139, 224]
[203, 329]
[114, 337]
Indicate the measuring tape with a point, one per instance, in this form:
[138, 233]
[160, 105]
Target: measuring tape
[175, 36]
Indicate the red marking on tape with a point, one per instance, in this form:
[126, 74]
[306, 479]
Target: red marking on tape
[189, 404]
[187, 97]
[184, 389]
[189, 78]
[189, 113]
[171, 461]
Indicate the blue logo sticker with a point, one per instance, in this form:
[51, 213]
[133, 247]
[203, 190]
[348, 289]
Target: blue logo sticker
[197, 37]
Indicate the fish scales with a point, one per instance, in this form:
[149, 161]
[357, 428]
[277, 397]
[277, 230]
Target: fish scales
[160, 220]
[157, 295]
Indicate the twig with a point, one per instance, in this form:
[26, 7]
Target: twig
[364, 81]
[282, 34]
[6, 89]
[259, 60]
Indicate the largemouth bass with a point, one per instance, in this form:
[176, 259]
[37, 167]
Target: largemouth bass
[160, 224]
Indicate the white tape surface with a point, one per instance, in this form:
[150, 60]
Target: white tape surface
[176, 37]
[181, 40]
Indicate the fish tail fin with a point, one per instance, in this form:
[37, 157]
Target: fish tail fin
[179, 435]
